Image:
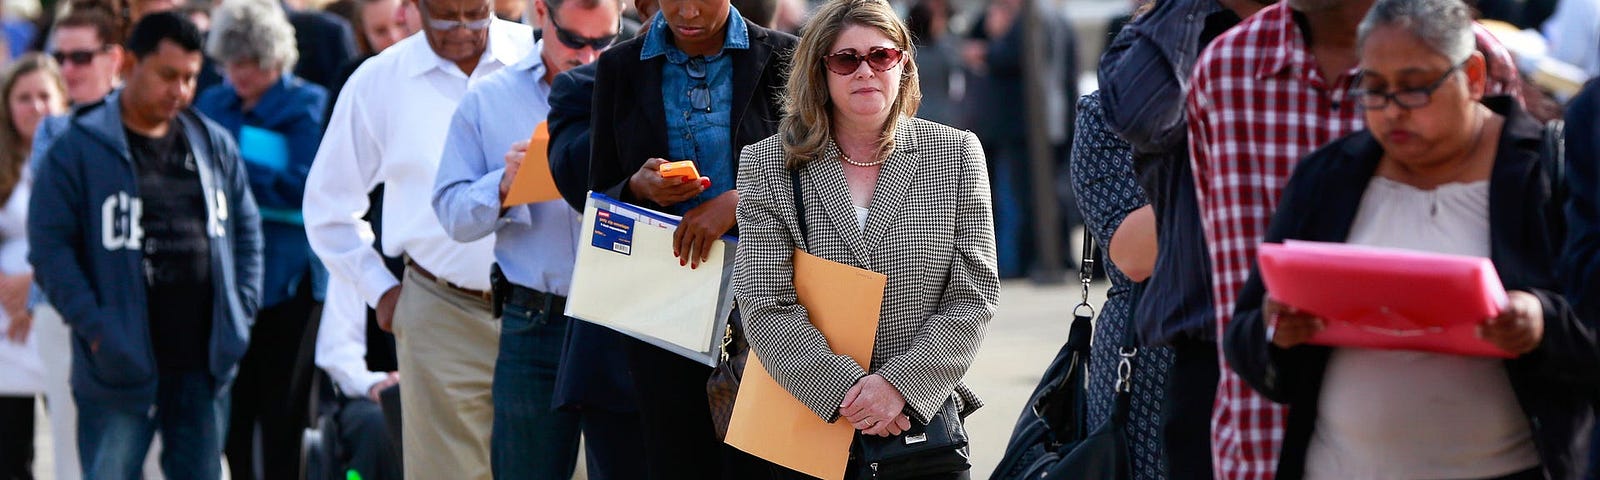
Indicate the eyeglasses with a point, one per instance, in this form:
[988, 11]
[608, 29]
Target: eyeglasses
[78, 57]
[576, 42]
[1408, 99]
[448, 25]
[847, 61]
[700, 94]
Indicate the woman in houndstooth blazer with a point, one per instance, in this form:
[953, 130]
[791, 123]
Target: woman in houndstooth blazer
[882, 191]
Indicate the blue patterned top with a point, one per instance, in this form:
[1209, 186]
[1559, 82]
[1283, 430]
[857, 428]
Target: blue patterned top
[1107, 191]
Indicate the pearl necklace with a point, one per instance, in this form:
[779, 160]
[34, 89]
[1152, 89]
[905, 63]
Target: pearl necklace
[847, 159]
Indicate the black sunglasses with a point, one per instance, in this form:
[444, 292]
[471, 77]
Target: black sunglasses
[847, 61]
[700, 93]
[577, 42]
[77, 57]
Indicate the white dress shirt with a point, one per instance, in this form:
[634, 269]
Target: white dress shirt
[389, 128]
[342, 341]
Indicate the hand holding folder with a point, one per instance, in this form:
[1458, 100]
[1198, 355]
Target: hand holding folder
[844, 303]
[1387, 298]
[534, 183]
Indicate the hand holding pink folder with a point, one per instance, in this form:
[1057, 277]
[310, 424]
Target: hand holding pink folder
[1387, 298]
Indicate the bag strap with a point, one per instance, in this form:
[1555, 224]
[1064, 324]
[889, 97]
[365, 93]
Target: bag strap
[799, 205]
[1553, 155]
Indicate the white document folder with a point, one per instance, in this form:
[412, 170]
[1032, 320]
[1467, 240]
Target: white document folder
[628, 280]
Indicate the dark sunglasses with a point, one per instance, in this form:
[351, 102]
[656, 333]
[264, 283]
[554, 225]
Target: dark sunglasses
[700, 93]
[577, 42]
[847, 61]
[77, 57]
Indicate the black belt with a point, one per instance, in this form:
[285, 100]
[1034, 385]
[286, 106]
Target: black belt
[535, 300]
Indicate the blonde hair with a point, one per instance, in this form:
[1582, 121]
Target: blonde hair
[807, 124]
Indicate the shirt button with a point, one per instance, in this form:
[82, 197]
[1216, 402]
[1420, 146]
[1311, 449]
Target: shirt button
[685, 136]
[685, 115]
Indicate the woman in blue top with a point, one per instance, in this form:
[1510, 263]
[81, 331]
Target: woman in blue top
[700, 85]
[277, 120]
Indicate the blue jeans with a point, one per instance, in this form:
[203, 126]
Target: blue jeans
[191, 411]
[531, 440]
[1013, 205]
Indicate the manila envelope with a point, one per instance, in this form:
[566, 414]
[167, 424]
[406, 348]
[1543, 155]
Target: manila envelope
[534, 183]
[844, 303]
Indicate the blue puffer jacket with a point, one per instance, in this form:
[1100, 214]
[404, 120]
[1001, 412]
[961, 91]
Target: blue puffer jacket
[87, 254]
[291, 108]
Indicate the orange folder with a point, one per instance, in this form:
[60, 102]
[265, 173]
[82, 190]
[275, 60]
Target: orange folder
[844, 303]
[1387, 298]
[534, 183]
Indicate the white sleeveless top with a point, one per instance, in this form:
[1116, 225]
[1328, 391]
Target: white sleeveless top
[1413, 415]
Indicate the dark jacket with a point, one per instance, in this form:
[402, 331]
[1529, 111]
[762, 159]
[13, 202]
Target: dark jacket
[291, 108]
[630, 120]
[591, 374]
[90, 262]
[1143, 75]
[1555, 384]
[571, 96]
[326, 43]
[1580, 263]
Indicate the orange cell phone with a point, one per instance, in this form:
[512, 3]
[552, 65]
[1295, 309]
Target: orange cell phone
[684, 169]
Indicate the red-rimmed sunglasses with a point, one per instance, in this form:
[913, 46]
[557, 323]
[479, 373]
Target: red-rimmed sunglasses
[847, 61]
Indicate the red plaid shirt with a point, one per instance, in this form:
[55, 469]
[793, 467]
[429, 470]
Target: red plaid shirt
[1257, 104]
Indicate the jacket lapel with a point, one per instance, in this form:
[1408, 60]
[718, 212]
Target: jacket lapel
[894, 180]
[748, 66]
[650, 100]
[827, 174]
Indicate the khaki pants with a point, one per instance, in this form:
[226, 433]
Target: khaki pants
[446, 343]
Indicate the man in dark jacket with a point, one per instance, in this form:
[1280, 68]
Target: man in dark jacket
[161, 278]
[1580, 264]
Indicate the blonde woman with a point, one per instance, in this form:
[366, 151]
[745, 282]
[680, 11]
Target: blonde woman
[881, 191]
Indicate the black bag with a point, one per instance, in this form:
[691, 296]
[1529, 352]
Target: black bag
[938, 448]
[1051, 439]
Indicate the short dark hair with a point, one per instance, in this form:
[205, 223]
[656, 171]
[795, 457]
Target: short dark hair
[101, 20]
[171, 26]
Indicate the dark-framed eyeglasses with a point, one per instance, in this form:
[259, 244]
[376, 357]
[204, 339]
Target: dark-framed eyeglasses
[1411, 98]
[700, 93]
[576, 42]
[443, 25]
[78, 57]
[847, 61]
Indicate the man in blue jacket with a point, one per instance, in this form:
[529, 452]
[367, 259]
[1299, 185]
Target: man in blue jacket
[146, 239]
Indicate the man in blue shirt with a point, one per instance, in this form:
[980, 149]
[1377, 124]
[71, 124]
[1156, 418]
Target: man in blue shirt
[535, 247]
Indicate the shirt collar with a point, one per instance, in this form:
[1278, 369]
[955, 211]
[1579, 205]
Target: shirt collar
[657, 43]
[533, 63]
[1285, 44]
[501, 48]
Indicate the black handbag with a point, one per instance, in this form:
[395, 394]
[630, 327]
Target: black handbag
[937, 448]
[1051, 439]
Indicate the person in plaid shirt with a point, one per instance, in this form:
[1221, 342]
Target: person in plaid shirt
[1263, 95]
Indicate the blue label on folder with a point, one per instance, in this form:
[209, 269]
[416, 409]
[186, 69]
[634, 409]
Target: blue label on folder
[613, 232]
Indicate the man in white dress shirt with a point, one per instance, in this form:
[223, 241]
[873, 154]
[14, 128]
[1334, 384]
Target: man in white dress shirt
[389, 126]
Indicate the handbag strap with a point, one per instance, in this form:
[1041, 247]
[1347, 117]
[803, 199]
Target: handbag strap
[799, 204]
[1130, 340]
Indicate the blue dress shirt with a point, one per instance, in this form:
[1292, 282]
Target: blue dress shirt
[697, 94]
[535, 244]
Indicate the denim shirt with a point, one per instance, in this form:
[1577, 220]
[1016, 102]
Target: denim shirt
[697, 94]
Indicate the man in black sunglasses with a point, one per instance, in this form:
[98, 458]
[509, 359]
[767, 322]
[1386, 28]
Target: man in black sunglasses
[537, 420]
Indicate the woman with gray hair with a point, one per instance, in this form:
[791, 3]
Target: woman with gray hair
[277, 120]
[1440, 169]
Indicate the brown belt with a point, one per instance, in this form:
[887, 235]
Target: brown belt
[424, 273]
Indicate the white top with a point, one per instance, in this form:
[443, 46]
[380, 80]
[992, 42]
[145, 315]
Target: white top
[389, 126]
[1416, 415]
[21, 370]
[342, 341]
[861, 216]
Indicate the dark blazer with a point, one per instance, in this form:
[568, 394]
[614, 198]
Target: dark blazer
[630, 120]
[1581, 263]
[571, 96]
[1555, 383]
[326, 43]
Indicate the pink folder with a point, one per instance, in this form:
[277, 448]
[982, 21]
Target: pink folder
[1387, 298]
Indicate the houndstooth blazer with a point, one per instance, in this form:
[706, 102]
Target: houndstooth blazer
[930, 230]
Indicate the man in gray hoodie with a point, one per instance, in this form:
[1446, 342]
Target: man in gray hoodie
[146, 239]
